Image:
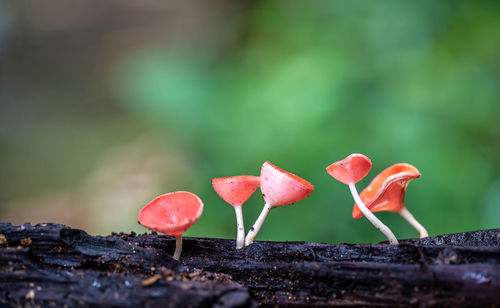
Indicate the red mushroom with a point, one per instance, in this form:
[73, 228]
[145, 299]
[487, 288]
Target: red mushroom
[236, 190]
[351, 170]
[278, 188]
[172, 214]
[387, 193]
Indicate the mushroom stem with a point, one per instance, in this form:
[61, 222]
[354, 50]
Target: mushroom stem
[178, 247]
[254, 230]
[240, 235]
[372, 218]
[409, 217]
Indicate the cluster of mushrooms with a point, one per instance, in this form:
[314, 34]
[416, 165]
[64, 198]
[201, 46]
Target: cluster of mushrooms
[174, 213]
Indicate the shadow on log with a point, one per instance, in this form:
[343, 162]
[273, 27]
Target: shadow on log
[54, 265]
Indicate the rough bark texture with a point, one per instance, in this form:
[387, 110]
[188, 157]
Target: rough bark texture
[54, 265]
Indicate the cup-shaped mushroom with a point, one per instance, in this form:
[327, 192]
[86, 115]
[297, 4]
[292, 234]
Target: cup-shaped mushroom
[351, 169]
[387, 191]
[172, 214]
[279, 188]
[236, 190]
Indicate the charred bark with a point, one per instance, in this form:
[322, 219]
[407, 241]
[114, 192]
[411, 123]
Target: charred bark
[50, 264]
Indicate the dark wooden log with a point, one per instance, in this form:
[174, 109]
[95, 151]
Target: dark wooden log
[53, 265]
[50, 264]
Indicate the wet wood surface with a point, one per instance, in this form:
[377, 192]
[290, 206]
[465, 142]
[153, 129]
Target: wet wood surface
[54, 265]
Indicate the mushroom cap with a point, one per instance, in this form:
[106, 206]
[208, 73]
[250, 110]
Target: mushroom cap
[386, 191]
[236, 190]
[351, 169]
[171, 213]
[282, 188]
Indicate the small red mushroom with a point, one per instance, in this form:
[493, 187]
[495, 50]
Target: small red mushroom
[236, 190]
[172, 214]
[387, 191]
[278, 188]
[351, 170]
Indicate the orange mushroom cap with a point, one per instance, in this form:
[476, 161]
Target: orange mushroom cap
[171, 213]
[386, 191]
[351, 169]
[236, 190]
[280, 187]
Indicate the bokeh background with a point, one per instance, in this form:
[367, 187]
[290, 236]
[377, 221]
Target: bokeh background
[106, 104]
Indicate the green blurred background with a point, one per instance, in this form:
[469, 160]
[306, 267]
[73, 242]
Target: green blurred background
[106, 104]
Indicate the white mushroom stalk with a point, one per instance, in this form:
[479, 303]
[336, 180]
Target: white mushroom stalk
[254, 230]
[371, 217]
[240, 235]
[178, 247]
[409, 217]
